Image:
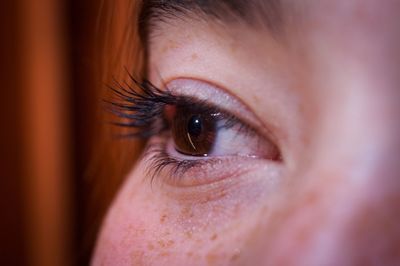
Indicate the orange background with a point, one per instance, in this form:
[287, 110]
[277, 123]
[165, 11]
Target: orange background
[60, 166]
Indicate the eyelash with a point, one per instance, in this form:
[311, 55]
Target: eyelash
[142, 110]
[161, 160]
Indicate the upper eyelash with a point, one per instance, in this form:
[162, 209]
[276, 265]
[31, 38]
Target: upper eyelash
[140, 108]
[143, 108]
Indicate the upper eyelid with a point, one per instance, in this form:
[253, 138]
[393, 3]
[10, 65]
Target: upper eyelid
[208, 94]
[149, 100]
[235, 107]
[128, 100]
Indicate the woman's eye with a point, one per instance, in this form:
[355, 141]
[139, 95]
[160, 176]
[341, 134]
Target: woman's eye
[197, 133]
[205, 131]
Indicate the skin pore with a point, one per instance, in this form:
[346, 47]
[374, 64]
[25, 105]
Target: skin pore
[324, 89]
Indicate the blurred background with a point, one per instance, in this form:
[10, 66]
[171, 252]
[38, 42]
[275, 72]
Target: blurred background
[49, 98]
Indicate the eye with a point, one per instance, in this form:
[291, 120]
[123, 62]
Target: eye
[201, 130]
[197, 132]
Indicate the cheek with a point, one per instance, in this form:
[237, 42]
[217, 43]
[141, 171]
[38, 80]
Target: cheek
[132, 232]
[122, 235]
[146, 226]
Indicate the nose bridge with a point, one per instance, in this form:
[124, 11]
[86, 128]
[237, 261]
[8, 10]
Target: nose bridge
[355, 219]
[359, 125]
[346, 202]
[357, 83]
[344, 208]
[357, 128]
[354, 169]
[356, 75]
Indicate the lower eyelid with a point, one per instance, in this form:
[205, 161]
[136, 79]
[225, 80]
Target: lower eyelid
[211, 171]
[223, 181]
[201, 171]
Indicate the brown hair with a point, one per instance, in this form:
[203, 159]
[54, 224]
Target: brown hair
[117, 52]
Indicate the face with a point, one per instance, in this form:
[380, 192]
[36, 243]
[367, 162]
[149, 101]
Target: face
[277, 142]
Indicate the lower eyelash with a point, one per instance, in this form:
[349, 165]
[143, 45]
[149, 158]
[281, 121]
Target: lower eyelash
[159, 161]
[161, 166]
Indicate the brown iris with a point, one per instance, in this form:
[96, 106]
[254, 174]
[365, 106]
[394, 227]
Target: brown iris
[193, 131]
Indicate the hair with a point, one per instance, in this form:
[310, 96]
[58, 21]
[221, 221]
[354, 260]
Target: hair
[117, 53]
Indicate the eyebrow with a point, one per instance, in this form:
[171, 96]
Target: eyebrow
[267, 13]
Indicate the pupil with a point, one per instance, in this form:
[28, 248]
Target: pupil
[195, 127]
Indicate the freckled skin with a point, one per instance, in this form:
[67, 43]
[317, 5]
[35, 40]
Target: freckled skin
[194, 56]
[337, 199]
